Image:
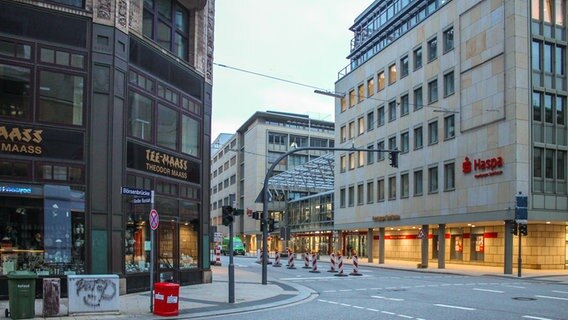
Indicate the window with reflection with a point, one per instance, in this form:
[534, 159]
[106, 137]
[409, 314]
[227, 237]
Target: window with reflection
[14, 91]
[190, 134]
[167, 23]
[167, 127]
[188, 235]
[140, 117]
[60, 98]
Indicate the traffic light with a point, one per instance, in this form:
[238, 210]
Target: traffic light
[271, 225]
[393, 157]
[256, 215]
[523, 229]
[227, 215]
[515, 227]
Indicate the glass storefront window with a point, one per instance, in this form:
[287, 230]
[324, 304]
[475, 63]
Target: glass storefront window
[140, 117]
[61, 98]
[14, 91]
[167, 127]
[190, 133]
[137, 244]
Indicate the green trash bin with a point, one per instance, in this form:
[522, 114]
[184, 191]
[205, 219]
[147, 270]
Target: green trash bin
[21, 293]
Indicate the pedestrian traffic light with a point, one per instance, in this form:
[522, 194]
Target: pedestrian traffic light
[514, 227]
[393, 157]
[523, 229]
[271, 225]
[227, 215]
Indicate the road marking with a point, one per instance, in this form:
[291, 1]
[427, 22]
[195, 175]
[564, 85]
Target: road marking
[512, 286]
[358, 307]
[405, 316]
[488, 290]
[453, 307]
[385, 298]
[557, 291]
[555, 298]
[422, 286]
[363, 289]
[345, 304]
[458, 284]
[387, 312]
[536, 318]
[333, 302]
[372, 309]
[345, 290]
[327, 291]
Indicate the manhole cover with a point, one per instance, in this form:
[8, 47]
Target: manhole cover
[524, 298]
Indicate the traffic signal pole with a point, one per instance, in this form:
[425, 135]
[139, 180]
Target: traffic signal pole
[393, 156]
[520, 259]
[231, 267]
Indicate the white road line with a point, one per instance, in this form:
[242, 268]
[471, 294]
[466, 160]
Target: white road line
[345, 290]
[375, 288]
[345, 304]
[372, 309]
[422, 286]
[555, 298]
[536, 318]
[327, 291]
[358, 307]
[445, 284]
[558, 291]
[488, 290]
[385, 298]
[512, 286]
[333, 302]
[405, 316]
[387, 312]
[363, 289]
[453, 307]
[321, 300]
[458, 284]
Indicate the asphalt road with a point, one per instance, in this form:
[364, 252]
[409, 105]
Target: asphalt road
[396, 294]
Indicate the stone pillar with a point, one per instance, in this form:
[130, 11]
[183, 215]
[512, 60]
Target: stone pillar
[382, 245]
[424, 263]
[508, 252]
[441, 246]
[370, 245]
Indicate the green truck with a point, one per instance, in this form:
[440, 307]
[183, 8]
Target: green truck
[238, 246]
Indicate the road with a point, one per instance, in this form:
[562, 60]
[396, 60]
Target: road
[397, 294]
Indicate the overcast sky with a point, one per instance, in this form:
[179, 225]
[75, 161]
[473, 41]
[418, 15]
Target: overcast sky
[303, 41]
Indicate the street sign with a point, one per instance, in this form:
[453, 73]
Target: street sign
[421, 234]
[136, 192]
[218, 237]
[141, 200]
[154, 219]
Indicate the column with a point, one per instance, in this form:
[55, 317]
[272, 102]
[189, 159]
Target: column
[370, 244]
[441, 246]
[508, 252]
[424, 263]
[382, 245]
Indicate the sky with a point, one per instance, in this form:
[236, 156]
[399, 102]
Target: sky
[304, 41]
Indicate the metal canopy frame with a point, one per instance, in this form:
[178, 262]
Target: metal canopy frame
[316, 175]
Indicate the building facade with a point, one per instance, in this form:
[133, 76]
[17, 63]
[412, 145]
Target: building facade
[473, 94]
[239, 166]
[95, 96]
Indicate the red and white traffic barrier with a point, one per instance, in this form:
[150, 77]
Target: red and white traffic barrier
[332, 263]
[355, 267]
[291, 259]
[306, 260]
[314, 264]
[277, 259]
[340, 266]
[217, 255]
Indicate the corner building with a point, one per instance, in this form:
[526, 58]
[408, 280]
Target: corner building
[473, 94]
[96, 95]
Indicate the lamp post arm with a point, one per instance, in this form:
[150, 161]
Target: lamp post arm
[264, 219]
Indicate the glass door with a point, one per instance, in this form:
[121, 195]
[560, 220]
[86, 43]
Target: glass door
[167, 263]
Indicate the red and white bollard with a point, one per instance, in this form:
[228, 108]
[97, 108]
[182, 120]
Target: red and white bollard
[340, 266]
[217, 255]
[332, 263]
[314, 264]
[355, 267]
[291, 259]
[306, 260]
[276, 259]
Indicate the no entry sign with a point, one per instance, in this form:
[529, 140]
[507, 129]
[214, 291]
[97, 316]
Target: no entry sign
[154, 219]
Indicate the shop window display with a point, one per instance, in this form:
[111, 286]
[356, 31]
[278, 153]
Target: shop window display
[137, 244]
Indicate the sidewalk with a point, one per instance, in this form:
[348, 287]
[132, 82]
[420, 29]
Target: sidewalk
[205, 300]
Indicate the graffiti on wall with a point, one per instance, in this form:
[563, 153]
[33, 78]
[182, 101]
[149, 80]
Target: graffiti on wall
[93, 291]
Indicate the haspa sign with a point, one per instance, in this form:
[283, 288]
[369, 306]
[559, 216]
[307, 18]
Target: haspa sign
[483, 167]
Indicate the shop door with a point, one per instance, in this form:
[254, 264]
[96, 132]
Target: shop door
[167, 258]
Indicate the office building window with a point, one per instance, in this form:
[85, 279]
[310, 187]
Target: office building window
[433, 132]
[418, 183]
[342, 163]
[547, 55]
[351, 196]
[560, 60]
[380, 116]
[404, 109]
[167, 127]
[361, 158]
[15, 93]
[418, 139]
[381, 81]
[404, 185]
[433, 91]
[448, 39]
[537, 162]
[360, 195]
[140, 117]
[449, 84]
[404, 143]
[343, 134]
[361, 125]
[381, 146]
[433, 179]
[343, 104]
[167, 23]
[418, 102]
[381, 190]
[392, 143]
[351, 130]
[370, 192]
[370, 121]
[352, 161]
[403, 67]
[535, 9]
[370, 155]
[432, 49]
[537, 106]
[417, 58]
[561, 110]
[449, 127]
[536, 50]
[392, 74]
[342, 198]
[360, 93]
[60, 97]
[370, 87]
[352, 98]
[392, 188]
[449, 176]
[392, 110]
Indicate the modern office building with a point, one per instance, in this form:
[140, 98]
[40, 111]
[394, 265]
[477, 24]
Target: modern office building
[239, 167]
[473, 94]
[95, 96]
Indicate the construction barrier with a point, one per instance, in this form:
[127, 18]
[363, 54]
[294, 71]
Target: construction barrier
[340, 266]
[332, 263]
[291, 259]
[277, 259]
[306, 260]
[217, 255]
[355, 267]
[314, 264]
